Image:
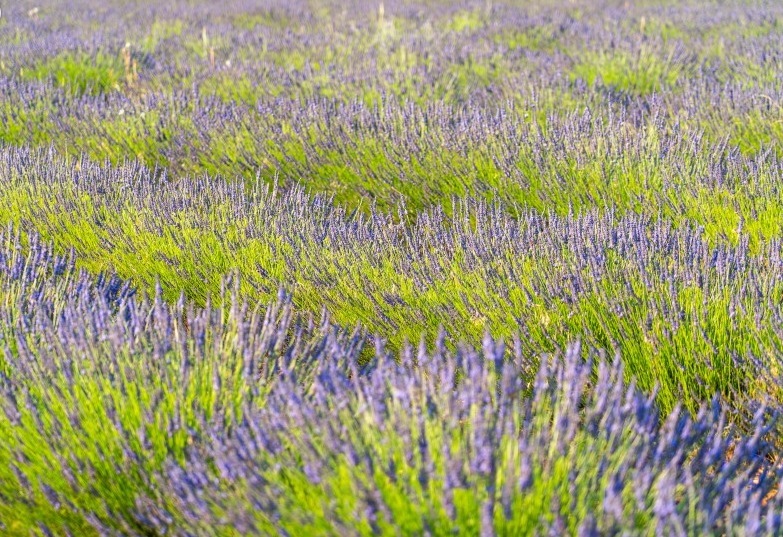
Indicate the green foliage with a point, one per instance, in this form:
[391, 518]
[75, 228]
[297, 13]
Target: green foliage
[666, 30]
[602, 173]
[539, 38]
[462, 79]
[758, 131]
[637, 74]
[161, 31]
[465, 21]
[80, 73]
[230, 87]
[188, 251]
[263, 18]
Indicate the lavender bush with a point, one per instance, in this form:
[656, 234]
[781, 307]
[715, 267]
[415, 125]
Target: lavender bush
[414, 102]
[691, 317]
[399, 268]
[123, 414]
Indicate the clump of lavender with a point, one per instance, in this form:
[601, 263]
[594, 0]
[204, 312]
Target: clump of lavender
[131, 415]
[597, 172]
[687, 314]
[409, 445]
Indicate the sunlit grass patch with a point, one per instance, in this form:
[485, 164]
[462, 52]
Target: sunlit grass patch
[150, 137]
[538, 38]
[231, 87]
[466, 21]
[640, 74]
[459, 80]
[271, 18]
[756, 131]
[745, 28]
[297, 59]
[31, 125]
[204, 45]
[20, 127]
[160, 31]
[141, 136]
[400, 60]
[666, 30]
[82, 72]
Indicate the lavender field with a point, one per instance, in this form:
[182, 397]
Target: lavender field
[418, 267]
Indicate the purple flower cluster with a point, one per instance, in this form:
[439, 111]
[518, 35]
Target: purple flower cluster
[331, 91]
[597, 172]
[261, 420]
[633, 284]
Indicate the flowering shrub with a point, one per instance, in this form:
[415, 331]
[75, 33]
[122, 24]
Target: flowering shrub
[688, 316]
[127, 414]
[320, 268]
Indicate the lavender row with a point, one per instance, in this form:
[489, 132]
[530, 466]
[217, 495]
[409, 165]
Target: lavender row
[581, 106]
[687, 314]
[127, 414]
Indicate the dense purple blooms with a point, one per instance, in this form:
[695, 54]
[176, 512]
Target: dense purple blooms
[593, 187]
[249, 403]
